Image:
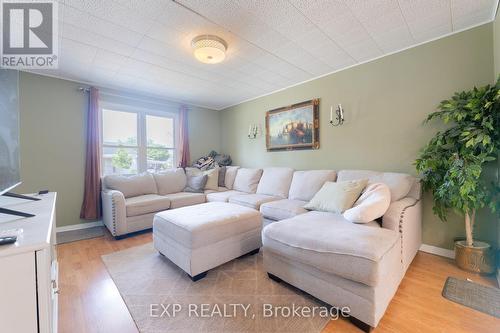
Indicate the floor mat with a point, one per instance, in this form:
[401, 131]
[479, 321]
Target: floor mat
[473, 295]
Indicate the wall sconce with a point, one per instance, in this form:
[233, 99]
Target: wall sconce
[253, 131]
[339, 112]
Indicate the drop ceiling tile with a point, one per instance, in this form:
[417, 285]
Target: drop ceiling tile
[72, 50]
[109, 60]
[394, 39]
[331, 55]
[364, 50]
[427, 18]
[90, 38]
[165, 33]
[281, 16]
[175, 15]
[430, 32]
[124, 80]
[97, 25]
[336, 20]
[251, 68]
[99, 75]
[148, 9]
[113, 12]
[466, 13]
[269, 39]
[383, 21]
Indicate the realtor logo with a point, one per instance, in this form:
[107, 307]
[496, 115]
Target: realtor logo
[29, 34]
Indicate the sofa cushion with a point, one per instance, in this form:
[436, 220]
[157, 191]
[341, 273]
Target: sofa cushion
[275, 182]
[400, 184]
[212, 174]
[182, 199]
[252, 200]
[283, 209]
[231, 172]
[220, 189]
[306, 183]
[170, 181]
[131, 186]
[206, 224]
[222, 196]
[145, 204]
[247, 180]
[222, 176]
[332, 244]
[336, 197]
[371, 205]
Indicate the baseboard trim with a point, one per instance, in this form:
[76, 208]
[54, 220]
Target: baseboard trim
[437, 251]
[80, 226]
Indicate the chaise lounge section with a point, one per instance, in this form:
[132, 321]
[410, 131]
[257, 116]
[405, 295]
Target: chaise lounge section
[346, 264]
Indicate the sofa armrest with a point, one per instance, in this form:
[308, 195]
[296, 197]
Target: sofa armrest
[405, 216]
[114, 214]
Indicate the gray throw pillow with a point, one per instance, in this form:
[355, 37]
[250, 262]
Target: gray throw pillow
[222, 176]
[196, 184]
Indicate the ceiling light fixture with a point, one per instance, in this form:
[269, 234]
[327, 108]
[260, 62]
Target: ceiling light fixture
[209, 49]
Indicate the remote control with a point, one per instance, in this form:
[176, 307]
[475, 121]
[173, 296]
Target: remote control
[8, 240]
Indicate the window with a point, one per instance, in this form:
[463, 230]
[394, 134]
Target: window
[137, 141]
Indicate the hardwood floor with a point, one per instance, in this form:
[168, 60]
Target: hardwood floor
[89, 301]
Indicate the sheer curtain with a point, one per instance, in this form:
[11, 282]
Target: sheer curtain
[183, 137]
[91, 206]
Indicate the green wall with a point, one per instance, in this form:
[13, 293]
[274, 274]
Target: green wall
[496, 56]
[52, 113]
[496, 44]
[385, 102]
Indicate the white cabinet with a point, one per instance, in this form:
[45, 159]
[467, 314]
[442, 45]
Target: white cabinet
[28, 269]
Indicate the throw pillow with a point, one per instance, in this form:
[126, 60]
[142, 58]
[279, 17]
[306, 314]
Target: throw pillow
[213, 177]
[222, 176]
[170, 181]
[336, 197]
[196, 183]
[231, 172]
[131, 186]
[372, 204]
[247, 180]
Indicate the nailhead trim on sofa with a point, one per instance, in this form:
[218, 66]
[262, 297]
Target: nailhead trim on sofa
[401, 218]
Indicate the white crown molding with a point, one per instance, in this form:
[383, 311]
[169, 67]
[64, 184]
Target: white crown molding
[362, 63]
[437, 251]
[79, 226]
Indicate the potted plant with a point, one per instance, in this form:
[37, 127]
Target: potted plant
[451, 166]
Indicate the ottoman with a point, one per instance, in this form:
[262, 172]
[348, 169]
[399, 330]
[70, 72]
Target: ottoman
[200, 237]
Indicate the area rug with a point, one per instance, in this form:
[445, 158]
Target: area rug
[235, 297]
[473, 295]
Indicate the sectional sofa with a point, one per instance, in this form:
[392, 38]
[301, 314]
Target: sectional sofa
[342, 263]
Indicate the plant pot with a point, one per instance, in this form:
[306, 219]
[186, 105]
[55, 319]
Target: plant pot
[478, 258]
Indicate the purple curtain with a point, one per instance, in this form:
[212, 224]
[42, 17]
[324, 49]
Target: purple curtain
[91, 206]
[183, 137]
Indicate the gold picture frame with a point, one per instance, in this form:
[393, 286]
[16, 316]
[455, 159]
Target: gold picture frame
[294, 127]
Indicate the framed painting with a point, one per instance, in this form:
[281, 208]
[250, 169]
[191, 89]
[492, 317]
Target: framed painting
[293, 127]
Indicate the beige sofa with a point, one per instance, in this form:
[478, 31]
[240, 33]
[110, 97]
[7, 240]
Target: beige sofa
[129, 203]
[342, 263]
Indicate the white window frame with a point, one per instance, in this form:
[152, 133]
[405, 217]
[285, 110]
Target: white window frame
[141, 147]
